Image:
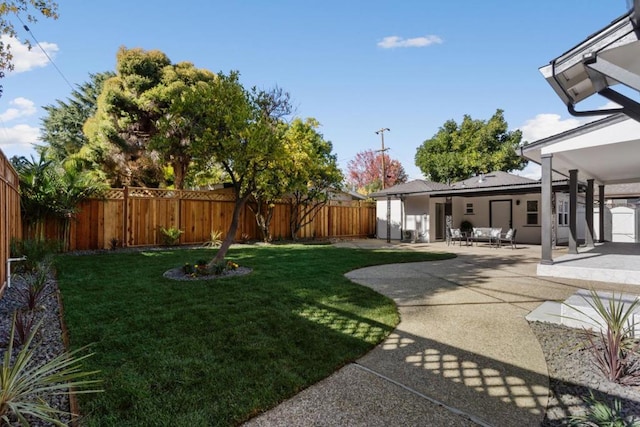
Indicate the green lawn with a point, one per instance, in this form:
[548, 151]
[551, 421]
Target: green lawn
[217, 352]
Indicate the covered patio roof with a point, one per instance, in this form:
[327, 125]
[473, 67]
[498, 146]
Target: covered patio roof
[605, 150]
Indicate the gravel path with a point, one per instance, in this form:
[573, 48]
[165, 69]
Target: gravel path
[573, 375]
[571, 368]
[48, 342]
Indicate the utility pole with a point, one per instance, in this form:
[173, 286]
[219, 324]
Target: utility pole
[384, 170]
[384, 175]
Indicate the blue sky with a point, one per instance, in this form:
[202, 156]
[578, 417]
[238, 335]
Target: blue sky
[356, 66]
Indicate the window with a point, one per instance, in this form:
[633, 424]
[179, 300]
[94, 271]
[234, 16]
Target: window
[532, 212]
[469, 210]
[563, 213]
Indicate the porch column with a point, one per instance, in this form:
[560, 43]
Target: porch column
[546, 213]
[589, 209]
[573, 211]
[601, 213]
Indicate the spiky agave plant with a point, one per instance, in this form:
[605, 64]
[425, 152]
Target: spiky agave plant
[617, 343]
[600, 413]
[24, 382]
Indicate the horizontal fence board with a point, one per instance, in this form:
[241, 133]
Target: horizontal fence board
[135, 216]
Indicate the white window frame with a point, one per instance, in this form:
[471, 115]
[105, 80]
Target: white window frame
[563, 213]
[468, 209]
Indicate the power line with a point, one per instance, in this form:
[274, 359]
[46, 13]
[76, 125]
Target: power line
[45, 52]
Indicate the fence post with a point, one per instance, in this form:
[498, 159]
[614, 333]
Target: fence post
[125, 216]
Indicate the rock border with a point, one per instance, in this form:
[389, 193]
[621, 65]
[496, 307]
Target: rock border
[178, 275]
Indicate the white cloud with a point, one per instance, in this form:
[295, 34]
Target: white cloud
[23, 107]
[17, 140]
[544, 125]
[393, 42]
[25, 59]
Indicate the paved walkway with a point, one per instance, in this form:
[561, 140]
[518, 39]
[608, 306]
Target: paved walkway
[463, 353]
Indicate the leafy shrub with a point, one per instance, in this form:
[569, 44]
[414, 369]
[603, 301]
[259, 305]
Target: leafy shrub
[188, 269]
[170, 236]
[35, 250]
[614, 345]
[219, 268]
[24, 382]
[466, 226]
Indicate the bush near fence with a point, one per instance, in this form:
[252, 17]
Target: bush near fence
[10, 225]
[134, 216]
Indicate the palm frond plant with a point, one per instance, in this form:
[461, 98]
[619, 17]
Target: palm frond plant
[614, 346]
[24, 382]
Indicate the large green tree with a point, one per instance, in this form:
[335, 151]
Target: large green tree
[32, 9]
[240, 130]
[145, 119]
[61, 128]
[120, 130]
[460, 151]
[312, 172]
[177, 117]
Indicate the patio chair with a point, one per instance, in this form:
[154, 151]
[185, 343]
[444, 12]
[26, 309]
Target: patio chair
[455, 234]
[510, 237]
[494, 236]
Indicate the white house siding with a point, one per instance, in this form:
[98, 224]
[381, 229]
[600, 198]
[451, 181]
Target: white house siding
[416, 210]
[527, 233]
[396, 219]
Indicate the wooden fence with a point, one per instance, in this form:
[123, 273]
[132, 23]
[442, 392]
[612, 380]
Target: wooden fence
[10, 226]
[134, 216]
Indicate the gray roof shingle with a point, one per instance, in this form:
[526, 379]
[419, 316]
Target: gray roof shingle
[411, 187]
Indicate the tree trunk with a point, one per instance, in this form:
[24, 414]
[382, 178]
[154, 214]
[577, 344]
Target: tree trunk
[179, 173]
[263, 213]
[231, 232]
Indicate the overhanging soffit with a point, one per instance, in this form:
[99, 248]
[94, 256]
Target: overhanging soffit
[607, 58]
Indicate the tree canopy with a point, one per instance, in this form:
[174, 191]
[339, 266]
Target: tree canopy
[457, 152]
[32, 8]
[61, 128]
[365, 172]
[145, 119]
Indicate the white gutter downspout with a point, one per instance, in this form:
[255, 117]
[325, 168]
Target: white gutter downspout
[9, 261]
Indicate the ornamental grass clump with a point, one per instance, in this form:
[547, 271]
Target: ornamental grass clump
[36, 290]
[614, 347]
[25, 383]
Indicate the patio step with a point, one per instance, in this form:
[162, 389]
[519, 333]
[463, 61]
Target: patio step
[576, 312]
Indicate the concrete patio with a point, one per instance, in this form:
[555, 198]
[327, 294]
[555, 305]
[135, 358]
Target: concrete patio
[463, 353]
[606, 262]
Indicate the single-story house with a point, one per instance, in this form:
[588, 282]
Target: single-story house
[422, 210]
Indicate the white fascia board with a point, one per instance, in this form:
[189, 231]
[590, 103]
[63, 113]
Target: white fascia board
[625, 131]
